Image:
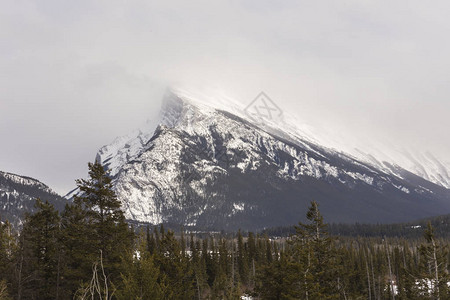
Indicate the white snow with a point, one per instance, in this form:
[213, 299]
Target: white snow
[379, 153]
[402, 188]
[237, 207]
[199, 111]
[157, 168]
[26, 181]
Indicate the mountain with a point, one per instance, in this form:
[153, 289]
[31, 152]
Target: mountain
[216, 166]
[18, 194]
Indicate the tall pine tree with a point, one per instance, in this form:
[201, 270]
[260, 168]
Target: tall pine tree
[111, 235]
[314, 257]
[40, 252]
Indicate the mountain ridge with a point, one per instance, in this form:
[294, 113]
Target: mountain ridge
[18, 194]
[190, 167]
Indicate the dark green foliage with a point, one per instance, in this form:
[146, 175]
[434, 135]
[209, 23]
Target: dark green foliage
[8, 248]
[56, 252]
[242, 259]
[277, 280]
[103, 214]
[93, 226]
[54, 255]
[311, 261]
[177, 278]
[434, 265]
[140, 275]
[162, 265]
[410, 230]
[79, 248]
[40, 254]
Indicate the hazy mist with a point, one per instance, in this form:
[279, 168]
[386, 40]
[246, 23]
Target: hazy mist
[76, 74]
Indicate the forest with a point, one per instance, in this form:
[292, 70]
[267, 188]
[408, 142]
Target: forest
[89, 251]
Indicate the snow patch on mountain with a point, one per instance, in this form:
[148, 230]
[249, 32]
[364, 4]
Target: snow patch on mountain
[170, 164]
[26, 181]
[18, 195]
[381, 154]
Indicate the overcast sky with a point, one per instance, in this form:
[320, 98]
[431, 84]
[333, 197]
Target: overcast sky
[76, 74]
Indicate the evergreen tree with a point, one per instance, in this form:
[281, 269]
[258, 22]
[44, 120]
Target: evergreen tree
[269, 250]
[176, 277]
[221, 280]
[198, 265]
[79, 249]
[8, 248]
[406, 279]
[140, 277]
[111, 234]
[40, 250]
[435, 266]
[151, 243]
[315, 258]
[242, 259]
[212, 263]
[278, 280]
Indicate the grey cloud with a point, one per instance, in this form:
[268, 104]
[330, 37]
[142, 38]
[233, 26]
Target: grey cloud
[74, 75]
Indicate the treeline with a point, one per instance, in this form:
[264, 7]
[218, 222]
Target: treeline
[410, 230]
[88, 251]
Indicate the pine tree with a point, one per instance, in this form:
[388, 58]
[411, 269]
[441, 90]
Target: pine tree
[212, 262]
[313, 251]
[40, 250]
[252, 256]
[79, 251]
[151, 243]
[221, 280]
[406, 279]
[111, 235]
[140, 276]
[269, 252]
[435, 265]
[242, 259]
[8, 248]
[198, 266]
[278, 280]
[176, 277]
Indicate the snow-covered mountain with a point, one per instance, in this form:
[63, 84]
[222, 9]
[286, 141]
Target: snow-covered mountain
[211, 164]
[383, 154]
[18, 195]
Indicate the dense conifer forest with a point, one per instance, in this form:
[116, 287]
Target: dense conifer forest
[89, 251]
[411, 230]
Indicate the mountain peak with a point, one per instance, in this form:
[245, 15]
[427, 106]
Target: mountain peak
[203, 158]
[188, 110]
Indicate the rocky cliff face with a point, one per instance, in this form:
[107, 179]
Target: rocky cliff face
[221, 169]
[18, 195]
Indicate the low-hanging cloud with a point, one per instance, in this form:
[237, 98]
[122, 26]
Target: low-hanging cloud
[76, 74]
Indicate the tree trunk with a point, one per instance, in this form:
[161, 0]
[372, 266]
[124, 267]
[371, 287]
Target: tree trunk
[391, 288]
[436, 271]
[368, 276]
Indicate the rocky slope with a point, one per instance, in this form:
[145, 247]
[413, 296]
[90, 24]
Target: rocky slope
[18, 194]
[222, 169]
